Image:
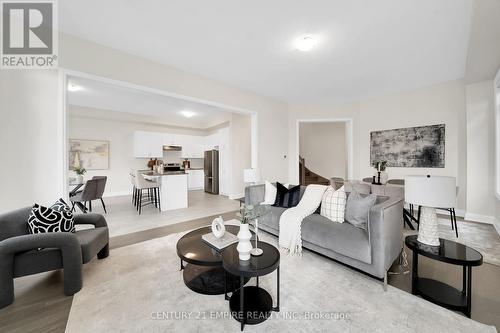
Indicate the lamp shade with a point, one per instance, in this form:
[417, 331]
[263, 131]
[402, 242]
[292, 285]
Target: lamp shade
[431, 191]
[251, 175]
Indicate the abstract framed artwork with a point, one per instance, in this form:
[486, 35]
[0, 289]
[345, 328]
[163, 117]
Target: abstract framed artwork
[411, 147]
[89, 154]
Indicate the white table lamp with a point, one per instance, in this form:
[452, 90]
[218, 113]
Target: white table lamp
[251, 176]
[430, 192]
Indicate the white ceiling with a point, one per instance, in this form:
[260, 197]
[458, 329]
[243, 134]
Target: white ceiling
[367, 47]
[144, 105]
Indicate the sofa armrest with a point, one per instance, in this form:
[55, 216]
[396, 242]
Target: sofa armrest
[71, 252]
[66, 241]
[386, 231]
[97, 220]
[254, 194]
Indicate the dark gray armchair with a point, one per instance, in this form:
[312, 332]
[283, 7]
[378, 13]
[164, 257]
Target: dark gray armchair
[19, 254]
[93, 190]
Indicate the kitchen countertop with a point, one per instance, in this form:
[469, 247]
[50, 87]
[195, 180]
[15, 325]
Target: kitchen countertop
[166, 173]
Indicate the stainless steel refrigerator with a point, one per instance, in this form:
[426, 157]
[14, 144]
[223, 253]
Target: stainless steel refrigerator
[212, 171]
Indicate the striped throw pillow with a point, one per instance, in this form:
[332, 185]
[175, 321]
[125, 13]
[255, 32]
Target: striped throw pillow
[333, 204]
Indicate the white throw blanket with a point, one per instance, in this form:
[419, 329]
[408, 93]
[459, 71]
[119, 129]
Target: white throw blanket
[290, 239]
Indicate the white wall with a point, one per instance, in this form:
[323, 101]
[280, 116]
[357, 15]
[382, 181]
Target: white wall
[240, 139]
[83, 56]
[480, 151]
[83, 124]
[438, 104]
[323, 146]
[30, 127]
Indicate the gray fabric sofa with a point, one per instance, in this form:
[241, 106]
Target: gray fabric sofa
[20, 254]
[372, 251]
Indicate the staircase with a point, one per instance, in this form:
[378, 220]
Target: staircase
[308, 177]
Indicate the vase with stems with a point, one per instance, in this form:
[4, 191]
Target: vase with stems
[249, 214]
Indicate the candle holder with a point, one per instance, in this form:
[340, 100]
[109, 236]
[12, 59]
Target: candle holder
[256, 251]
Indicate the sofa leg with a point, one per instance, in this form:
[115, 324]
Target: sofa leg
[72, 279]
[7, 289]
[385, 281]
[104, 253]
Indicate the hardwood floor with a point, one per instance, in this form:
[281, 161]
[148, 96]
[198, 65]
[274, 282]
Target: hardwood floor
[41, 306]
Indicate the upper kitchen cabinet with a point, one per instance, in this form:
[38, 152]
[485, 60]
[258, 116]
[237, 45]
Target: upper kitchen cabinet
[172, 139]
[193, 150]
[148, 144]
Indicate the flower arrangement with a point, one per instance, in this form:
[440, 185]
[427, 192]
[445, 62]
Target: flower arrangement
[380, 165]
[248, 213]
[79, 170]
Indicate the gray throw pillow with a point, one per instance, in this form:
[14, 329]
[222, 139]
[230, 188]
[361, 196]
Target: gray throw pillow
[357, 209]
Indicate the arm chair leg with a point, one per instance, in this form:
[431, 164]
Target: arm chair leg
[6, 280]
[104, 253]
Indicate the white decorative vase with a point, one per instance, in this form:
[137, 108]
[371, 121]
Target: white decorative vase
[384, 177]
[428, 227]
[244, 246]
[79, 179]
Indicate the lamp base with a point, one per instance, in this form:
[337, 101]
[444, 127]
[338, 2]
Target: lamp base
[256, 252]
[428, 227]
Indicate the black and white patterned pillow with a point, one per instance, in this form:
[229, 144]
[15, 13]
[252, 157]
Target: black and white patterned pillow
[333, 204]
[56, 218]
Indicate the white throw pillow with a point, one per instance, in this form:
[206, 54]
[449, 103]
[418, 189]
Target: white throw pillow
[270, 193]
[333, 204]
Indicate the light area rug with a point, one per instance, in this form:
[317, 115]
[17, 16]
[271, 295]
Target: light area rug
[139, 288]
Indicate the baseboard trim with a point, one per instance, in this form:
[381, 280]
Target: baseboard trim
[458, 212]
[479, 218]
[236, 196]
[116, 194]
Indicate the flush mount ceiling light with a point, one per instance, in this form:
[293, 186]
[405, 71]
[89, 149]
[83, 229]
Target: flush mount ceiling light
[188, 114]
[306, 43]
[73, 87]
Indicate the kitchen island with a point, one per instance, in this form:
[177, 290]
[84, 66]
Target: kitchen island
[173, 188]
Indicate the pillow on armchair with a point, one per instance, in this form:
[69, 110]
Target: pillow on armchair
[56, 218]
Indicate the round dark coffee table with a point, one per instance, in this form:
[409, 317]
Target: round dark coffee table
[438, 292]
[204, 273]
[252, 304]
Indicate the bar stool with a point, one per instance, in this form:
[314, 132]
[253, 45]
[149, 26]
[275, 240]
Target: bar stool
[153, 192]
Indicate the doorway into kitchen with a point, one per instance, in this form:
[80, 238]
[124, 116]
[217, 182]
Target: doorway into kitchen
[149, 160]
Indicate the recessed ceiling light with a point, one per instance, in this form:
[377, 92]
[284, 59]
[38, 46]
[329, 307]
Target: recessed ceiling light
[73, 87]
[188, 114]
[306, 43]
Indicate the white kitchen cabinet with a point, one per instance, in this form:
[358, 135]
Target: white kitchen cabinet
[172, 139]
[148, 144]
[196, 179]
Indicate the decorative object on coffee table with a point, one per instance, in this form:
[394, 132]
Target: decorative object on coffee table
[430, 192]
[247, 215]
[252, 304]
[438, 292]
[218, 228]
[203, 272]
[244, 245]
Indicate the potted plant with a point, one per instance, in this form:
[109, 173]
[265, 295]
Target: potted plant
[80, 171]
[381, 175]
